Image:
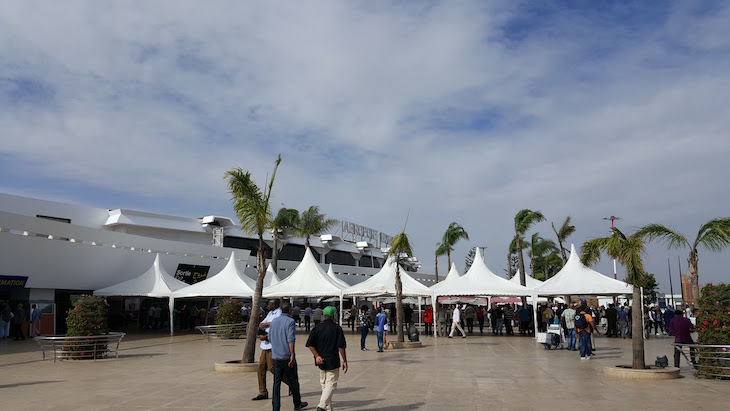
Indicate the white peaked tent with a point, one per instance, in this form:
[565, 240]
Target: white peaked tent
[307, 280]
[229, 282]
[478, 281]
[530, 282]
[577, 279]
[383, 284]
[453, 274]
[271, 277]
[331, 274]
[154, 283]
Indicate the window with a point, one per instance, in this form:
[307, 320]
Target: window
[58, 219]
[339, 257]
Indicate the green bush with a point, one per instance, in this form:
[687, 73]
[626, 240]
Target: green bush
[229, 312]
[88, 317]
[713, 328]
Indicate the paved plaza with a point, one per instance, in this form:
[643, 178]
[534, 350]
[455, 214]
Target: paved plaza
[156, 372]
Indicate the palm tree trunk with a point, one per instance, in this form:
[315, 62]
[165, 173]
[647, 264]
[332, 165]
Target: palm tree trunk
[637, 331]
[448, 258]
[306, 242]
[522, 267]
[562, 251]
[694, 276]
[532, 266]
[275, 252]
[252, 328]
[399, 303]
[509, 265]
[436, 268]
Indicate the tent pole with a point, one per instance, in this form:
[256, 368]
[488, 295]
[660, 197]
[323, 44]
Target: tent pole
[534, 313]
[433, 305]
[341, 306]
[420, 317]
[172, 313]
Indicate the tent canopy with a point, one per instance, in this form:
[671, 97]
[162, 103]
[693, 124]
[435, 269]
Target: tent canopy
[453, 275]
[271, 277]
[229, 282]
[577, 279]
[383, 284]
[155, 283]
[307, 280]
[480, 281]
[331, 274]
[530, 282]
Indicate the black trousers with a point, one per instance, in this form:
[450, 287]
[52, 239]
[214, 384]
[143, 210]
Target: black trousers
[18, 331]
[281, 370]
[470, 325]
[678, 353]
[481, 325]
[307, 320]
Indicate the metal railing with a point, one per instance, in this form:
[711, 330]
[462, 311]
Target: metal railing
[707, 360]
[80, 348]
[223, 331]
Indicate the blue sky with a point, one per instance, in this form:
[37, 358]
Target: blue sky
[456, 111]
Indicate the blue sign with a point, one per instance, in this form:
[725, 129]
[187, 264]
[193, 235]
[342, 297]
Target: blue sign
[14, 281]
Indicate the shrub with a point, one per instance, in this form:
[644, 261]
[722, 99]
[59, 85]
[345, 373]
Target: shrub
[713, 328]
[229, 311]
[88, 317]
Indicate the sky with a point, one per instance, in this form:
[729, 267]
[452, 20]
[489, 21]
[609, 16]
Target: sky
[433, 111]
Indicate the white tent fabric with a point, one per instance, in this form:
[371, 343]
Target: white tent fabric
[155, 283]
[331, 274]
[229, 282]
[480, 281]
[453, 274]
[577, 279]
[530, 282]
[383, 284]
[307, 280]
[271, 277]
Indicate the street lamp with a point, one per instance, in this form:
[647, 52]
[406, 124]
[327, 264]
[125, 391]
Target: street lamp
[613, 218]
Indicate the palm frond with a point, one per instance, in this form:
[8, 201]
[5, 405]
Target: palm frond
[400, 247]
[671, 238]
[286, 218]
[454, 233]
[311, 222]
[566, 229]
[590, 252]
[525, 218]
[441, 249]
[248, 202]
[714, 235]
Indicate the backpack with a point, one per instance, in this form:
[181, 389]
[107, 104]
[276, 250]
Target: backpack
[580, 321]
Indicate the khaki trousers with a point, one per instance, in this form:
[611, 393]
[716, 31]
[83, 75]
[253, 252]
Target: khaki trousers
[454, 326]
[266, 363]
[328, 380]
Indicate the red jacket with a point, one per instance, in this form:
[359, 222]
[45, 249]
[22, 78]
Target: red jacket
[428, 316]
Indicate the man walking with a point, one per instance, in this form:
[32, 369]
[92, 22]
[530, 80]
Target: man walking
[18, 321]
[282, 335]
[681, 327]
[380, 321]
[568, 318]
[612, 317]
[584, 325]
[324, 342]
[266, 362]
[456, 322]
[35, 321]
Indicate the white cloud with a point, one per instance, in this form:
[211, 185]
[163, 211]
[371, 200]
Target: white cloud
[377, 108]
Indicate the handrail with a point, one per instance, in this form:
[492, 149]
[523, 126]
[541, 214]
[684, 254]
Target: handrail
[223, 331]
[80, 347]
[710, 360]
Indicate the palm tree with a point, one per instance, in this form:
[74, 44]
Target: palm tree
[566, 229]
[523, 221]
[714, 235]
[628, 251]
[453, 234]
[286, 219]
[311, 222]
[251, 206]
[400, 250]
[441, 249]
[539, 247]
[513, 252]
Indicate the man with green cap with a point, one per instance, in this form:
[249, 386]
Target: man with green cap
[327, 343]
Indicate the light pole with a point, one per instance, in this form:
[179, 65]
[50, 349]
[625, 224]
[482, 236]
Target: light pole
[613, 218]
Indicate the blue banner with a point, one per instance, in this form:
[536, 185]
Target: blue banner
[13, 281]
